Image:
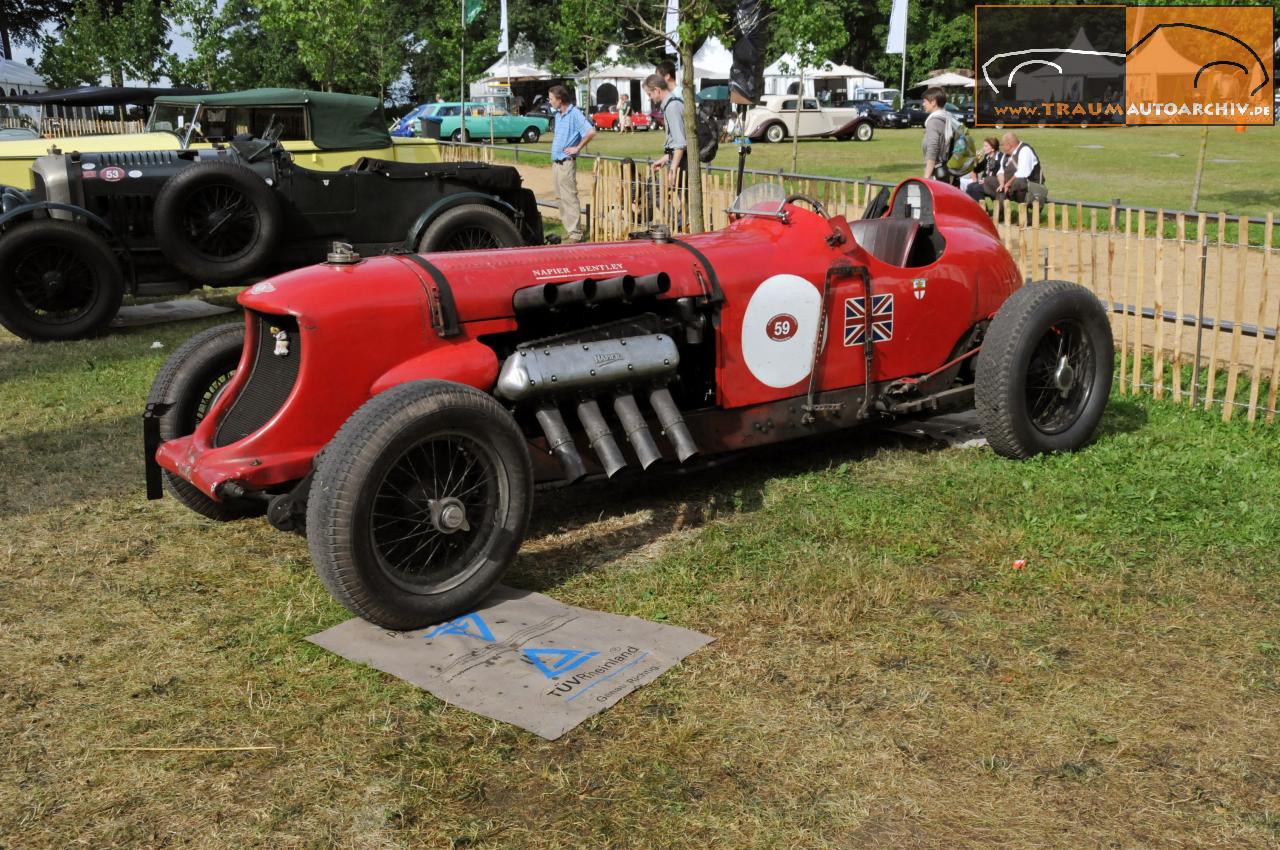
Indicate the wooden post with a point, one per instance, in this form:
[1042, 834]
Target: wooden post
[1139, 296]
[1255, 377]
[1157, 355]
[1237, 316]
[1051, 265]
[1035, 240]
[1093, 258]
[1124, 300]
[1007, 210]
[1111, 268]
[1080, 243]
[1176, 357]
[1211, 377]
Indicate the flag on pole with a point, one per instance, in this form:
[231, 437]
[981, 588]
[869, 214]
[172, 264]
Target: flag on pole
[672, 25]
[470, 11]
[503, 47]
[897, 42]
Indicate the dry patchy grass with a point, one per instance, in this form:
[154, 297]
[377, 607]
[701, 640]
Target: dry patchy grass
[882, 676]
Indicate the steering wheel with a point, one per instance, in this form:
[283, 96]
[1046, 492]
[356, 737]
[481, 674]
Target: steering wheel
[811, 201]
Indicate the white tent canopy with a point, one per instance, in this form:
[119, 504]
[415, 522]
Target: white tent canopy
[947, 80]
[841, 81]
[516, 66]
[19, 78]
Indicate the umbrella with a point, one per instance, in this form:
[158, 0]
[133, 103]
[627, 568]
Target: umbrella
[714, 93]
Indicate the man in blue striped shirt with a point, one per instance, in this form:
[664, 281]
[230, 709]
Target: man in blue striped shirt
[572, 133]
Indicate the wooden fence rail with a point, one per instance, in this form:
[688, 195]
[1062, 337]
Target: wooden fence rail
[57, 128]
[1194, 298]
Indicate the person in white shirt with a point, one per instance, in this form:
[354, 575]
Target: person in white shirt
[1023, 167]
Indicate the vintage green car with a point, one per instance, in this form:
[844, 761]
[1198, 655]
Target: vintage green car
[483, 121]
[322, 130]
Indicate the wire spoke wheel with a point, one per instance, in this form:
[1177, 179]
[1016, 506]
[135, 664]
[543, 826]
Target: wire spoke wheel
[1059, 377]
[472, 239]
[433, 511]
[219, 222]
[53, 285]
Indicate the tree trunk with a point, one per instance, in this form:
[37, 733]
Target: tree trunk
[691, 137]
[795, 137]
[4, 43]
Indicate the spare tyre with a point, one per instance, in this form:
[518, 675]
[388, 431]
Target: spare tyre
[469, 227]
[218, 222]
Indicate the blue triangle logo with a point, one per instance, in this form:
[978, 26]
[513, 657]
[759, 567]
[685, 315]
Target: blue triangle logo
[553, 662]
[469, 625]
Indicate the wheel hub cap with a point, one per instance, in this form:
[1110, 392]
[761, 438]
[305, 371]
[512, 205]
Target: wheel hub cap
[1064, 376]
[53, 282]
[448, 515]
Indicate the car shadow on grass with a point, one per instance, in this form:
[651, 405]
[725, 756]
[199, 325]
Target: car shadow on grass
[1122, 416]
[577, 530]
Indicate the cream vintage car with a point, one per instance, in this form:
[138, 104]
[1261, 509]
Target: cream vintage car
[322, 130]
[776, 119]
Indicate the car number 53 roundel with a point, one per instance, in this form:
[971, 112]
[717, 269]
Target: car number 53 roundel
[778, 330]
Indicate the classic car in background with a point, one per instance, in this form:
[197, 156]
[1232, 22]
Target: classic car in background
[607, 120]
[98, 226]
[322, 130]
[776, 119]
[914, 110]
[483, 121]
[882, 114]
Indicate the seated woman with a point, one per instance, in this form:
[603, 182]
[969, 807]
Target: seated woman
[986, 170]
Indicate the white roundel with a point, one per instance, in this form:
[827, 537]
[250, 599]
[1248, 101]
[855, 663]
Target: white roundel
[778, 330]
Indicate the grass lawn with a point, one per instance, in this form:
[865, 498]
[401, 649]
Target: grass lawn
[883, 676]
[1142, 166]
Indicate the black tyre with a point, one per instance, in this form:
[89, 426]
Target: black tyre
[864, 132]
[775, 133]
[58, 280]
[469, 227]
[1044, 372]
[531, 134]
[218, 222]
[419, 504]
[460, 136]
[189, 382]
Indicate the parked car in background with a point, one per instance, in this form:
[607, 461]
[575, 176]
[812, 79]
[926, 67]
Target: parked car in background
[607, 120]
[883, 114]
[776, 119]
[914, 110]
[98, 226]
[322, 130]
[483, 121]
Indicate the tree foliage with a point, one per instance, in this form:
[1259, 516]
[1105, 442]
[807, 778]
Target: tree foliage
[21, 21]
[119, 40]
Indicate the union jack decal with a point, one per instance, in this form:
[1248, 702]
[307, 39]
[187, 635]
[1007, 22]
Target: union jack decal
[881, 319]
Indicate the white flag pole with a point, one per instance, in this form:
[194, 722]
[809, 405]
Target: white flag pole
[462, 65]
[897, 41]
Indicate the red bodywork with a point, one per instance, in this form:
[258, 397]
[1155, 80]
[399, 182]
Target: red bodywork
[367, 327]
[609, 120]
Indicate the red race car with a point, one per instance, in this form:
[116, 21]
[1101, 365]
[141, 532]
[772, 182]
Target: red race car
[405, 429]
[609, 121]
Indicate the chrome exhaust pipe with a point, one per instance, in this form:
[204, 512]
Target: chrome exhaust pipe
[601, 438]
[561, 443]
[638, 434]
[673, 423]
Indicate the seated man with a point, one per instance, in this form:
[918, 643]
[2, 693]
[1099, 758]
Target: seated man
[1022, 167]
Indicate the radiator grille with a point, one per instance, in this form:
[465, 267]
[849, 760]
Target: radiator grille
[271, 379]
